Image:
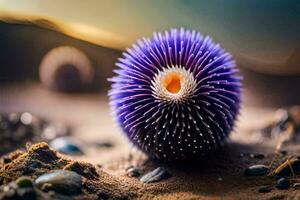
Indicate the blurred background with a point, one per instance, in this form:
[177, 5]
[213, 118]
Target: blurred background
[55, 57]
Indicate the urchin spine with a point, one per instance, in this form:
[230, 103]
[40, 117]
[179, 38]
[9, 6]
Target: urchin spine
[176, 95]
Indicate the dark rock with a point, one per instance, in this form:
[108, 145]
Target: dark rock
[61, 181]
[156, 175]
[65, 145]
[264, 189]
[283, 183]
[277, 177]
[133, 172]
[256, 170]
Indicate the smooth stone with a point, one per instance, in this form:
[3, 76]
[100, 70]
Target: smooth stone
[133, 172]
[264, 189]
[24, 182]
[256, 170]
[296, 186]
[156, 175]
[65, 145]
[283, 183]
[61, 181]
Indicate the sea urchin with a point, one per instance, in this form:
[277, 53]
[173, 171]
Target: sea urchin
[176, 95]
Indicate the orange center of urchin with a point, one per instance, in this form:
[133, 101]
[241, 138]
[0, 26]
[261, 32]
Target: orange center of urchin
[172, 82]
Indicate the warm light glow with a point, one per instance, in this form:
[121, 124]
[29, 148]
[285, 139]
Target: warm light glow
[172, 82]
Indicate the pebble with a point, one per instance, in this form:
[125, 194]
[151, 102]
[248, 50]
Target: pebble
[156, 175]
[256, 170]
[257, 156]
[133, 172]
[264, 189]
[104, 144]
[296, 185]
[61, 181]
[283, 183]
[65, 145]
[24, 182]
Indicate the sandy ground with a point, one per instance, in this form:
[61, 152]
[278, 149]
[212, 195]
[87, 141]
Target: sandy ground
[218, 176]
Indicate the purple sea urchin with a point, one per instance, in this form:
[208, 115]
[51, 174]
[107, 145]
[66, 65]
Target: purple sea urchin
[176, 95]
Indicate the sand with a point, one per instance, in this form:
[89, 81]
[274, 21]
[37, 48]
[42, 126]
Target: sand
[217, 176]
